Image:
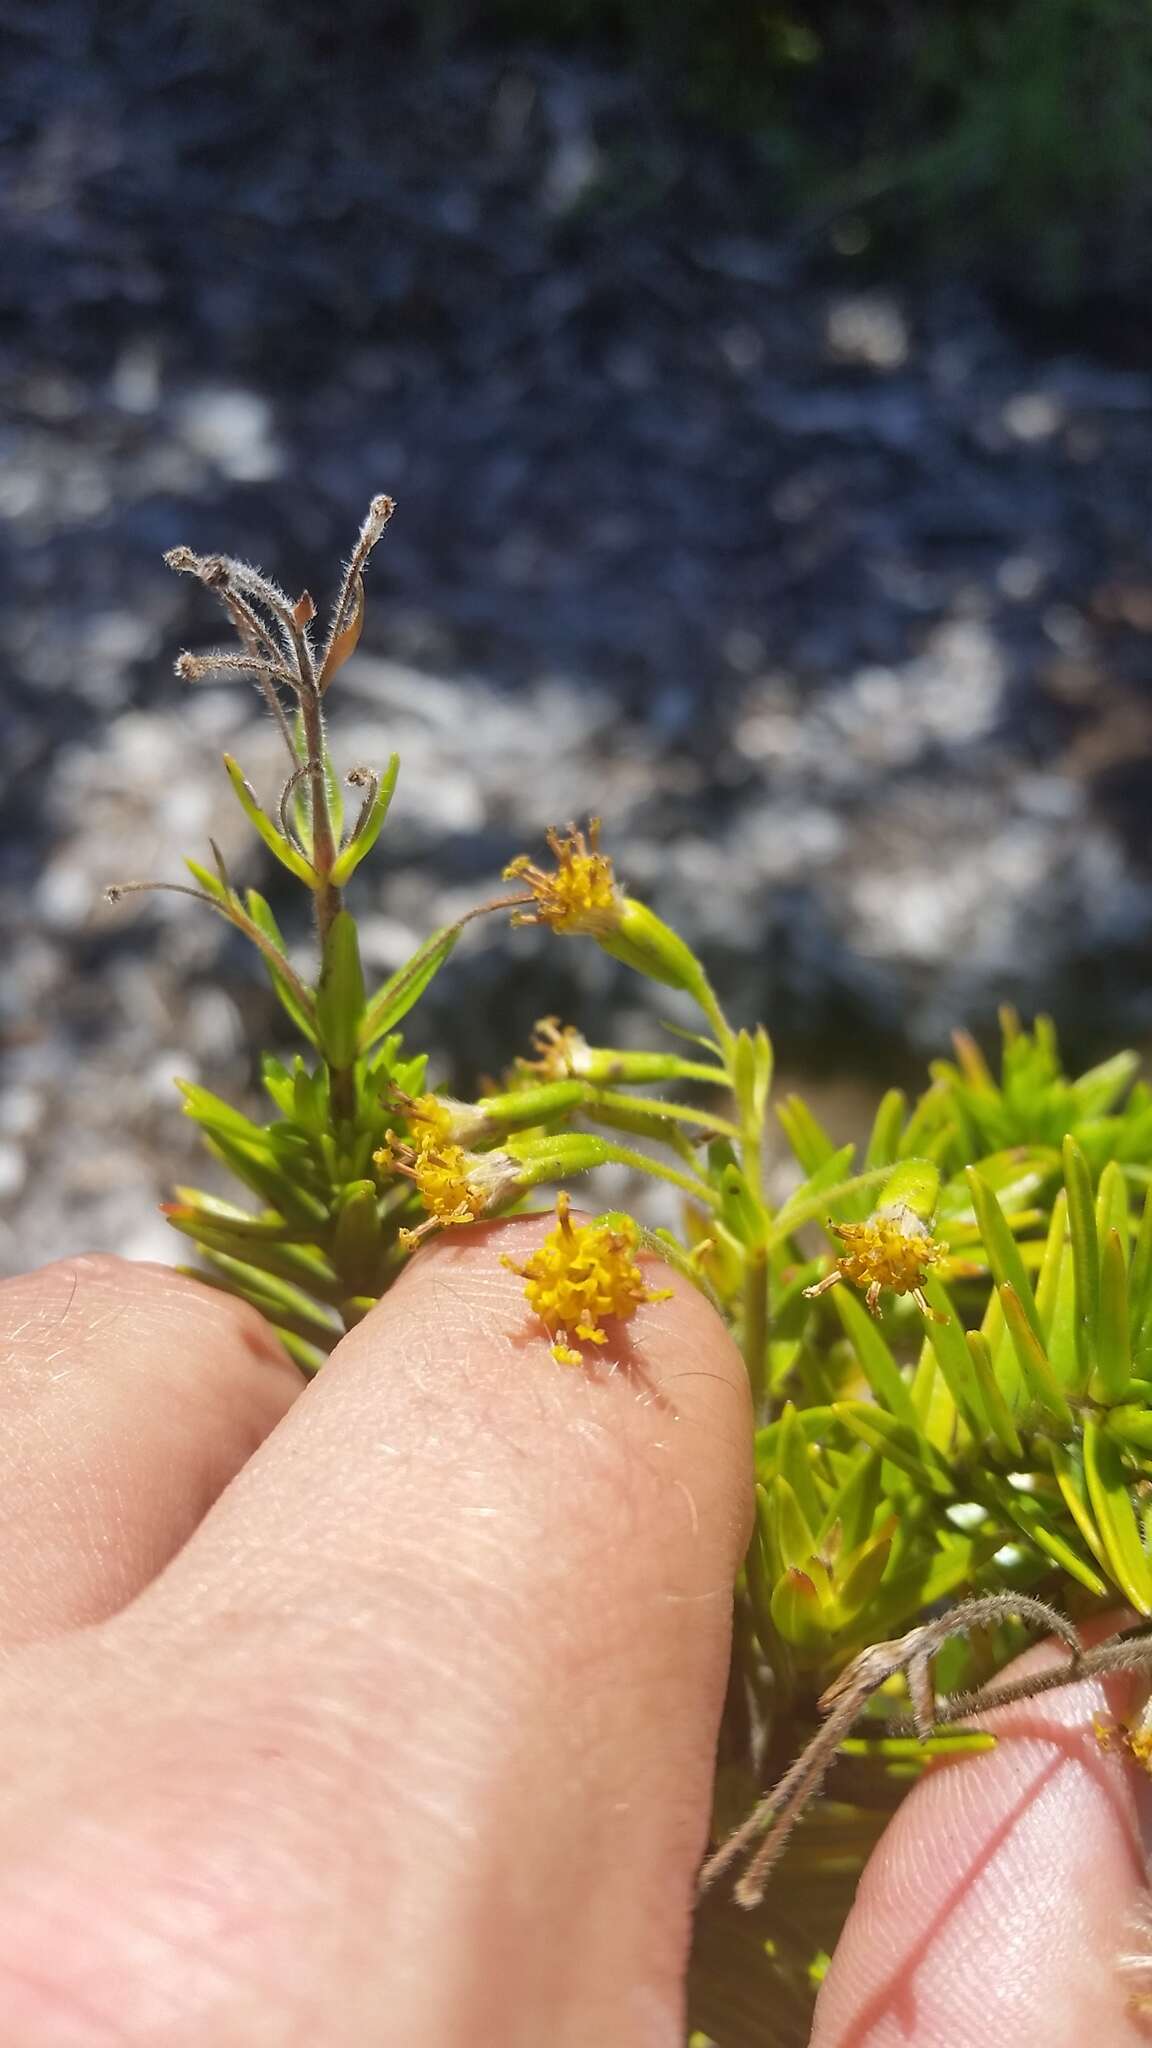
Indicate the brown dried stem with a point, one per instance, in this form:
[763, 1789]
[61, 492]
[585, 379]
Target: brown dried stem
[844, 1701]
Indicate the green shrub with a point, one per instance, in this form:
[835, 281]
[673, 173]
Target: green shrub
[983, 1436]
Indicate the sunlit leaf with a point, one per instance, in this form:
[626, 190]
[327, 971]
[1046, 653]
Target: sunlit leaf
[393, 1001]
[1115, 1516]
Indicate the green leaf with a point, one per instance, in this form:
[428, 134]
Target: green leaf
[876, 1361]
[814, 1200]
[302, 1265]
[1101, 1087]
[404, 988]
[1115, 1516]
[798, 1611]
[815, 1423]
[995, 1406]
[1003, 1251]
[1014, 1177]
[927, 1129]
[852, 1510]
[309, 1357]
[1132, 1425]
[340, 992]
[1085, 1255]
[884, 1142]
[892, 1748]
[273, 838]
[1068, 1467]
[262, 918]
[1113, 1336]
[364, 839]
[903, 1446]
[213, 1114]
[1048, 1279]
[807, 1137]
[357, 1243]
[260, 1171]
[283, 1305]
[1140, 1275]
[278, 1084]
[212, 884]
[203, 1204]
[790, 1536]
[1034, 1516]
[1035, 1366]
[860, 1580]
[752, 1075]
[1112, 1203]
[936, 1411]
[794, 1464]
[1062, 1347]
[947, 1339]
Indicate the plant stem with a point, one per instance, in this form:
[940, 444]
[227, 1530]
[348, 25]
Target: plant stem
[755, 1345]
[328, 899]
[710, 1004]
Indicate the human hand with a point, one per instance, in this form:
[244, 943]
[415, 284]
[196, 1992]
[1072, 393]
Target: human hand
[390, 1718]
[385, 1714]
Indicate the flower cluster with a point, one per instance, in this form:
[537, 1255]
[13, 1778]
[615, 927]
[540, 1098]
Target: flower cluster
[581, 1274]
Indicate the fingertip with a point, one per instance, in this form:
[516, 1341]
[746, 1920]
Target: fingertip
[996, 1905]
[129, 1396]
[669, 1380]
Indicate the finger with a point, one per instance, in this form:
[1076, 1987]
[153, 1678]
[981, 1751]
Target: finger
[424, 1716]
[997, 1904]
[128, 1398]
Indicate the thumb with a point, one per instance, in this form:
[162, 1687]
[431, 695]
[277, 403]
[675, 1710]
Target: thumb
[999, 1901]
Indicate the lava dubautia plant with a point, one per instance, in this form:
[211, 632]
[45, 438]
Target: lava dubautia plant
[949, 1340]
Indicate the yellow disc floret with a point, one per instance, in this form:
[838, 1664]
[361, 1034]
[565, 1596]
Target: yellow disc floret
[893, 1250]
[581, 1274]
[580, 894]
[441, 1176]
[429, 1119]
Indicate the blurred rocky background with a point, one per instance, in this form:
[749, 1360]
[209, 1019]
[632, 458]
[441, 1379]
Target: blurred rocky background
[767, 398]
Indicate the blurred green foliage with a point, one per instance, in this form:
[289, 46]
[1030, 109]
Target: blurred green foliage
[1012, 137]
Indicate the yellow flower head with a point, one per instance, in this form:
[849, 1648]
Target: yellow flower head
[582, 1273]
[561, 1050]
[894, 1249]
[581, 894]
[455, 1186]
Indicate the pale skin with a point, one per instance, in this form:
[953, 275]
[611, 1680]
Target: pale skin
[383, 1711]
